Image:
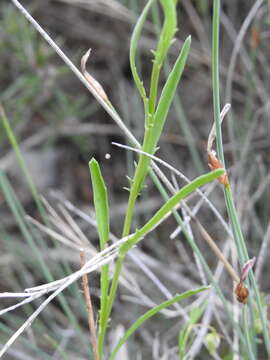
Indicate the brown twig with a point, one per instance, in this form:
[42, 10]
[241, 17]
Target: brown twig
[216, 250]
[91, 319]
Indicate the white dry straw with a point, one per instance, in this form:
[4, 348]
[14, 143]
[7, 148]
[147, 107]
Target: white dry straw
[110, 110]
[212, 134]
[58, 286]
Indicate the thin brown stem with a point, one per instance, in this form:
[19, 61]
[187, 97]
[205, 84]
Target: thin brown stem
[91, 319]
[217, 251]
[214, 247]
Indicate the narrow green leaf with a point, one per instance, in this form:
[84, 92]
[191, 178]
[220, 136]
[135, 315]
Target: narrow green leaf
[182, 340]
[168, 30]
[184, 334]
[100, 202]
[250, 342]
[102, 217]
[151, 313]
[134, 45]
[168, 206]
[16, 148]
[164, 43]
[168, 93]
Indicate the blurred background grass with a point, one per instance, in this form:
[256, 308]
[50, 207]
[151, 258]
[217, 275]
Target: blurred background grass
[60, 127]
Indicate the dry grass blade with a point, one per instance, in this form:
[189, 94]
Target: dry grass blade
[91, 319]
[91, 80]
[212, 134]
[58, 286]
[77, 72]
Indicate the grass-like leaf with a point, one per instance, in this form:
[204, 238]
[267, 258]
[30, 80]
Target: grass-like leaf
[165, 40]
[168, 92]
[168, 206]
[100, 202]
[236, 228]
[168, 31]
[15, 146]
[155, 310]
[102, 216]
[133, 50]
[184, 333]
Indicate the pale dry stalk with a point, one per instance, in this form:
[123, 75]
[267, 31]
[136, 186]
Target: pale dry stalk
[91, 319]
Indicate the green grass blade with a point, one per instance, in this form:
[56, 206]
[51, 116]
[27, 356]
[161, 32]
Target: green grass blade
[215, 78]
[168, 92]
[236, 228]
[102, 216]
[168, 206]
[180, 112]
[183, 337]
[165, 40]
[19, 216]
[151, 313]
[168, 31]
[16, 148]
[133, 50]
[100, 202]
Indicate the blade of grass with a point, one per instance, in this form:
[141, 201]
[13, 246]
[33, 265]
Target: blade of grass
[103, 221]
[133, 51]
[181, 117]
[183, 336]
[165, 40]
[16, 148]
[155, 310]
[168, 92]
[152, 223]
[100, 202]
[238, 236]
[168, 207]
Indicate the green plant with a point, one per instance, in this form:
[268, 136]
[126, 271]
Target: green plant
[236, 228]
[252, 322]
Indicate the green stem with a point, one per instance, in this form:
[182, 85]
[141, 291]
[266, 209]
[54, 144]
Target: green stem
[154, 87]
[215, 79]
[140, 173]
[114, 284]
[237, 233]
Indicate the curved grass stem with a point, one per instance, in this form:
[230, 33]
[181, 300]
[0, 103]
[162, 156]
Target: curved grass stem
[237, 232]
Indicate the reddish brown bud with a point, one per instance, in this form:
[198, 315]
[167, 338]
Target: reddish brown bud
[241, 293]
[214, 164]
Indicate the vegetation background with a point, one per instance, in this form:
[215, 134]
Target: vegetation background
[60, 126]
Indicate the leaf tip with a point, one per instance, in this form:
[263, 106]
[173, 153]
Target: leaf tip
[188, 40]
[93, 161]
